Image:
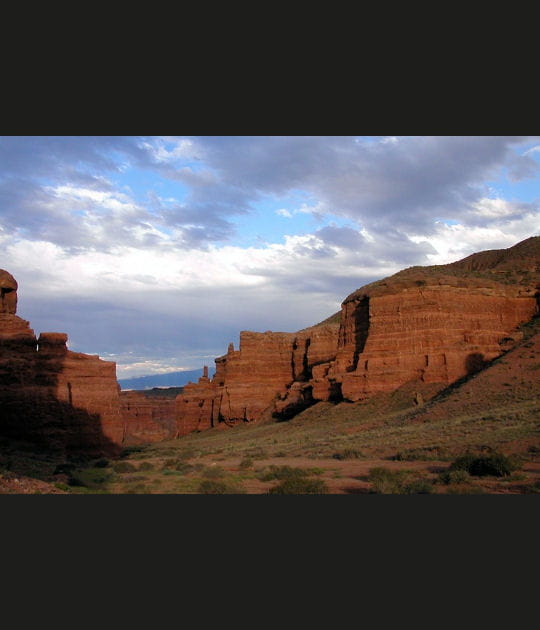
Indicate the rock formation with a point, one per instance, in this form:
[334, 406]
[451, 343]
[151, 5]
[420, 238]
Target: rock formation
[428, 324]
[146, 418]
[259, 373]
[50, 395]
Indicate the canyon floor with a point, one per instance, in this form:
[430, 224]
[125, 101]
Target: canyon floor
[388, 444]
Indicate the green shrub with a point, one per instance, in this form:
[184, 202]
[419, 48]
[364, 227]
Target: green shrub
[348, 453]
[122, 467]
[146, 466]
[385, 481]
[419, 454]
[454, 476]
[464, 462]
[282, 472]
[213, 486]
[246, 463]
[89, 477]
[419, 486]
[300, 485]
[497, 465]
[101, 463]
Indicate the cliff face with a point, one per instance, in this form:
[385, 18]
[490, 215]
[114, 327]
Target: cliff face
[147, 419]
[431, 324]
[436, 333]
[248, 380]
[50, 395]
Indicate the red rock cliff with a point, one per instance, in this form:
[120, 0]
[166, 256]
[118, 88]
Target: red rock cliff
[434, 324]
[50, 395]
[255, 377]
[147, 419]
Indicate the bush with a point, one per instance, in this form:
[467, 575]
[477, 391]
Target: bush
[101, 463]
[89, 477]
[282, 472]
[454, 476]
[146, 466]
[246, 463]
[385, 481]
[300, 485]
[122, 467]
[212, 486]
[497, 465]
[348, 453]
[419, 454]
[420, 486]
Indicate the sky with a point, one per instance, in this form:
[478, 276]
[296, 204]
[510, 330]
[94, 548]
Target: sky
[156, 251]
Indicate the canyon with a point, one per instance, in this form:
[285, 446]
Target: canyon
[424, 325]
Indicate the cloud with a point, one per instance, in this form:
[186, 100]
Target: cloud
[283, 212]
[403, 183]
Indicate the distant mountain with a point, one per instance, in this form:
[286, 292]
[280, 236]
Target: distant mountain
[171, 379]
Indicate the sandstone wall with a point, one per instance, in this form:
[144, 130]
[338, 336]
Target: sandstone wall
[147, 419]
[435, 334]
[50, 395]
[257, 376]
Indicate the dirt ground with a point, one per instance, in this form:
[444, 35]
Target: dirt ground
[350, 476]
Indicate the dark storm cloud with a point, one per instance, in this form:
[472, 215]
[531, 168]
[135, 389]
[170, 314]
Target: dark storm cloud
[404, 184]
[342, 237]
[66, 156]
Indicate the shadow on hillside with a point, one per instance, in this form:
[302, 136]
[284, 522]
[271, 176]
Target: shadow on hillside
[34, 417]
[475, 362]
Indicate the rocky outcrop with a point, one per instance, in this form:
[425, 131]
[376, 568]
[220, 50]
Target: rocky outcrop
[49, 395]
[8, 293]
[432, 333]
[427, 324]
[260, 373]
[147, 419]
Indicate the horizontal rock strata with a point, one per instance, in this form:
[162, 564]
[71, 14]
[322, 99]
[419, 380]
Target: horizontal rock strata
[52, 396]
[259, 373]
[147, 419]
[430, 324]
